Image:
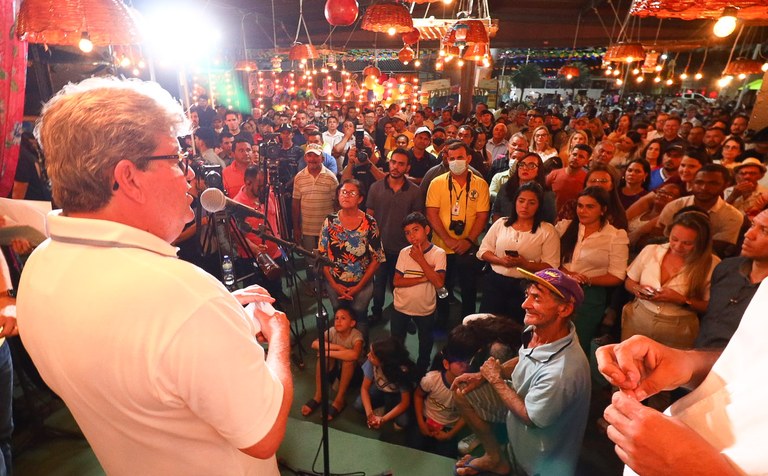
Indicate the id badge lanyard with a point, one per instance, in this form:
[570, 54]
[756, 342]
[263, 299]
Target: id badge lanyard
[456, 208]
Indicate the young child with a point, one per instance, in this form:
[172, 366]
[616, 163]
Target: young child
[419, 272]
[436, 414]
[387, 383]
[344, 347]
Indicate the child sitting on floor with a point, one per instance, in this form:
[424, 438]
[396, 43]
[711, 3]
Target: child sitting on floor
[386, 382]
[344, 345]
[436, 414]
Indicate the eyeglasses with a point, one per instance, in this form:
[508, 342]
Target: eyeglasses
[182, 157]
[349, 193]
[528, 165]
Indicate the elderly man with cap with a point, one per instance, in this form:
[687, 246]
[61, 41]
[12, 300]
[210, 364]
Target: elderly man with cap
[542, 394]
[314, 137]
[745, 195]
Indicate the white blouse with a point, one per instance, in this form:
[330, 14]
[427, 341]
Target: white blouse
[646, 270]
[540, 247]
[604, 252]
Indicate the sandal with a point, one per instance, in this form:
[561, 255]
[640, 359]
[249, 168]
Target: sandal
[311, 406]
[333, 412]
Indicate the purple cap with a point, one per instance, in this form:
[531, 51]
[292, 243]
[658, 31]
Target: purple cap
[557, 282]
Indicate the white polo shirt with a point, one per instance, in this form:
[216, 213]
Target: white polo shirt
[154, 357]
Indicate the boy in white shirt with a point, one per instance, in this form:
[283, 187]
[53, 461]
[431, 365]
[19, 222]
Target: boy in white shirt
[419, 272]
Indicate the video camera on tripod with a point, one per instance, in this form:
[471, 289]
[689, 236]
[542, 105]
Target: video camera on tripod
[278, 169]
[209, 173]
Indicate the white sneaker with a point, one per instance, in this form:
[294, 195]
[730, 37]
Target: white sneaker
[468, 444]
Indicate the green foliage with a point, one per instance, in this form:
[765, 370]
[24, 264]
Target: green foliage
[526, 76]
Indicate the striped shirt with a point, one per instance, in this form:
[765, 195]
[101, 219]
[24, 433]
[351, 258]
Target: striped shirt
[316, 195]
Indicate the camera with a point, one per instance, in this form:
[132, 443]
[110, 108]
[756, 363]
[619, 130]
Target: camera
[278, 169]
[362, 152]
[209, 173]
[457, 226]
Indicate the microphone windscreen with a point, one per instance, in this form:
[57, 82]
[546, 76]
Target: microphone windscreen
[213, 200]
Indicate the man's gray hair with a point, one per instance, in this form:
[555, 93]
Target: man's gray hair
[88, 127]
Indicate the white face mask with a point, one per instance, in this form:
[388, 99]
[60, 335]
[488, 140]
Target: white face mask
[458, 167]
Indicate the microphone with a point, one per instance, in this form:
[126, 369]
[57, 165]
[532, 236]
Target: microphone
[213, 200]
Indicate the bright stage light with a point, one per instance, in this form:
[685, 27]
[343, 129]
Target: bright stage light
[172, 38]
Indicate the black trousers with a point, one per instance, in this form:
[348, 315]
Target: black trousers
[465, 269]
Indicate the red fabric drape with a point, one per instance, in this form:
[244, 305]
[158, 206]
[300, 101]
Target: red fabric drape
[13, 79]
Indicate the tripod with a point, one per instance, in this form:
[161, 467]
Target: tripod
[321, 316]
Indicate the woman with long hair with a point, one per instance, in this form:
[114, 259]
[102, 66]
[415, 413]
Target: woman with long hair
[521, 240]
[622, 127]
[634, 182]
[605, 177]
[642, 219]
[541, 143]
[652, 153]
[350, 238]
[594, 253]
[670, 283]
[525, 170]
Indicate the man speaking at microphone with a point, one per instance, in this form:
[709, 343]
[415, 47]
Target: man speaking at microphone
[158, 362]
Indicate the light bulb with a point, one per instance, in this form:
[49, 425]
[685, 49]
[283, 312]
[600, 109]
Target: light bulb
[635, 71]
[629, 59]
[136, 71]
[726, 23]
[764, 67]
[640, 79]
[607, 72]
[663, 56]
[417, 63]
[683, 76]
[569, 76]
[619, 82]
[698, 76]
[125, 62]
[616, 72]
[669, 82]
[461, 63]
[391, 31]
[85, 44]
[657, 68]
[657, 79]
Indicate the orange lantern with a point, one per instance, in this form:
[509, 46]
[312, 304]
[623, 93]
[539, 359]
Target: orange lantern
[569, 71]
[624, 52]
[387, 17]
[302, 52]
[744, 66]
[468, 31]
[405, 55]
[411, 37]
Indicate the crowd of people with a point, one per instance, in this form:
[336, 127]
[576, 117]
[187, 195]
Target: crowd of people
[575, 226]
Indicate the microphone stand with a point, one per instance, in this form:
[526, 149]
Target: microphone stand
[321, 317]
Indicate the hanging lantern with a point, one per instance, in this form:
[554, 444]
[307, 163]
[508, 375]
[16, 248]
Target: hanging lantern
[467, 32]
[625, 52]
[569, 71]
[300, 51]
[476, 52]
[405, 55]
[412, 37]
[744, 66]
[341, 12]
[246, 65]
[387, 17]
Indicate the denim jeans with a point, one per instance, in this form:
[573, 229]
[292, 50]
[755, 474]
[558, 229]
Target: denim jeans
[359, 304]
[425, 326]
[385, 399]
[6, 413]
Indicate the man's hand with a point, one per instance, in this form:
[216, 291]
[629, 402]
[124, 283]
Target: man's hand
[8, 317]
[462, 246]
[254, 293]
[21, 246]
[642, 367]
[652, 443]
[491, 370]
[467, 382]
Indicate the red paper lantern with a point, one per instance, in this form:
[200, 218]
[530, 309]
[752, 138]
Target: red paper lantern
[411, 37]
[371, 71]
[405, 55]
[341, 12]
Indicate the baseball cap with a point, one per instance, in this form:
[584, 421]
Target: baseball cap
[423, 129]
[316, 149]
[675, 149]
[557, 282]
[284, 128]
[400, 116]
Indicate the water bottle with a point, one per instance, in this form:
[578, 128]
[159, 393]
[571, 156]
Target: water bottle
[442, 293]
[227, 271]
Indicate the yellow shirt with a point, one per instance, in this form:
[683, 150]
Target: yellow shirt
[390, 143]
[457, 204]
